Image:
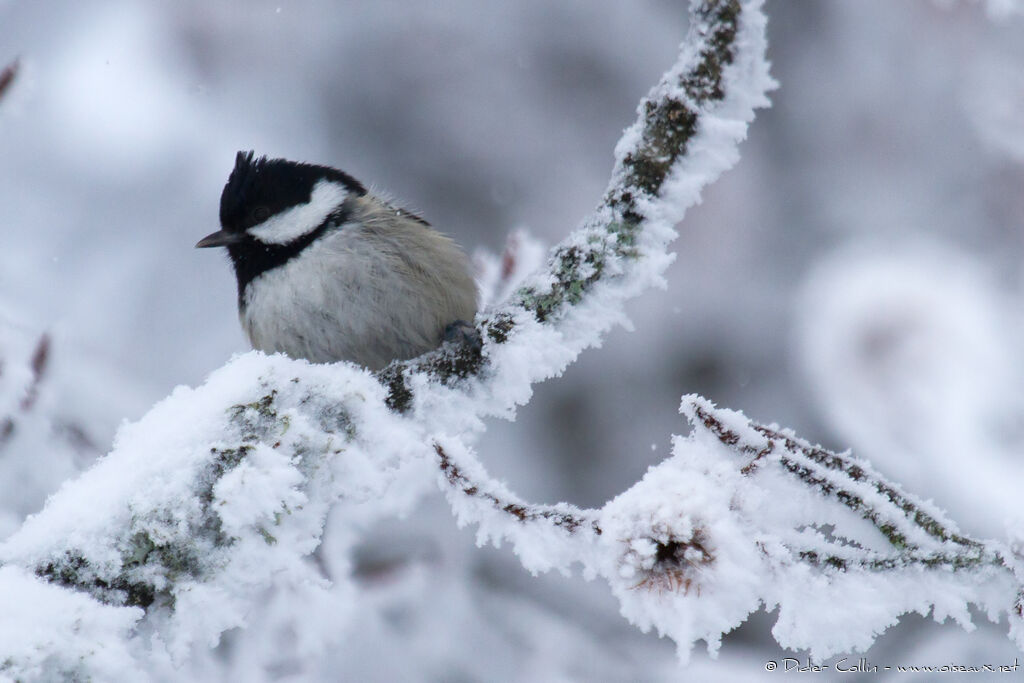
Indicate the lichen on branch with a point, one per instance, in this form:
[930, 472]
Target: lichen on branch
[654, 148]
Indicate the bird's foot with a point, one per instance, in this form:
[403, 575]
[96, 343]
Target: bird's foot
[463, 334]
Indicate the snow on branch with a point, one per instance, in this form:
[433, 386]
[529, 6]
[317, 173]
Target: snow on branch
[830, 519]
[685, 136]
[743, 516]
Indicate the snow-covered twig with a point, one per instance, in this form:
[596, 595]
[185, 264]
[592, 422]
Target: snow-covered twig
[744, 515]
[563, 516]
[917, 532]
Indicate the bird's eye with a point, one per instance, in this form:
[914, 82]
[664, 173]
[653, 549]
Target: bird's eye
[260, 214]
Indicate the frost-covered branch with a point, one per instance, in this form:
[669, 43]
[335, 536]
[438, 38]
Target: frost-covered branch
[915, 531]
[563, 516]
[683, 138]
[744, 515]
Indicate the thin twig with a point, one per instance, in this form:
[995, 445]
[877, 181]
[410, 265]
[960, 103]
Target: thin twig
[521, 512]
[7, 76]
[846, 480]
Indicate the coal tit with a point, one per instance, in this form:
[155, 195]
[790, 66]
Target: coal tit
[328, 272]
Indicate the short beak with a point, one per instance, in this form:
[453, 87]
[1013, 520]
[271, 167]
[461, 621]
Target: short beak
[221, 238]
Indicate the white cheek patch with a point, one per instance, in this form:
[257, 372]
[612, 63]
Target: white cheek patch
[305, 218]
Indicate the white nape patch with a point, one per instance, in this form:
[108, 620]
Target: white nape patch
[305, 218]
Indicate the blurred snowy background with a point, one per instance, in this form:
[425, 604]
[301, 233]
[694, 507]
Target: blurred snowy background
[856, 277]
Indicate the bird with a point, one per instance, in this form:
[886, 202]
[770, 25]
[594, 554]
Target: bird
[328, 271]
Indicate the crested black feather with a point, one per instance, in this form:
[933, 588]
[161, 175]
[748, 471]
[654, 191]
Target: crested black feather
[259, 188]
[263, 187]
[238, 187]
